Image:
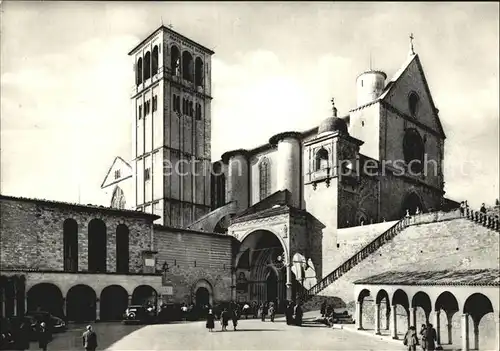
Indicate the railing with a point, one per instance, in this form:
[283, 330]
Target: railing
[355, 259]
[487, 221]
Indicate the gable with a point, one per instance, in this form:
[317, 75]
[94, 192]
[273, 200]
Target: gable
[411, 80]
[119, 170]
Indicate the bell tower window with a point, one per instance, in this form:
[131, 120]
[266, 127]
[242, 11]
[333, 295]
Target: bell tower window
[321, 160]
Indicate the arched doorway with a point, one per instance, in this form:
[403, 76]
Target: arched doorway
[410, 203]
[81, 304]
[45, 297]
[144, 295]
[260, 252]
[202, 297]
[113, 303]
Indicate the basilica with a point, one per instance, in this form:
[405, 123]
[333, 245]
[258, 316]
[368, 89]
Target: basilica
[351, 210]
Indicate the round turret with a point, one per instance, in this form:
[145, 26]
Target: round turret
[237, 177]
[369, 86]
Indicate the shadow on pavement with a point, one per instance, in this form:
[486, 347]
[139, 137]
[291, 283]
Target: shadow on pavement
[251, 330]
[107, 334]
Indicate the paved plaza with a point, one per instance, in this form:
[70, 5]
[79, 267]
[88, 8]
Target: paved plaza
[251, 335]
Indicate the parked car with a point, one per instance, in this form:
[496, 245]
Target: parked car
[28, 324]
[139, 314]
[54, 324]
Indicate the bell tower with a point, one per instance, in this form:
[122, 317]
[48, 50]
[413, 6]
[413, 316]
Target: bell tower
[171, 104]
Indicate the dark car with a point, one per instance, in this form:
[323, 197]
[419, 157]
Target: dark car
[53, 323]
[139, 314]
[24, 327]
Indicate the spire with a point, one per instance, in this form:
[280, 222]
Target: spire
[412, 52]
[334, 109]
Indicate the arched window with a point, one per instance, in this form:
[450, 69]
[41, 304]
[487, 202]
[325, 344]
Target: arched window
[118, 198]
[175, 61]
[122, 248]
[97, 250]
[264, 179]
[154, 65]
[138, 72]
[414, 151]
[198, 72]
[413, 100]
[146, 71]
[321, 159]
[187, 66]
[70, 242]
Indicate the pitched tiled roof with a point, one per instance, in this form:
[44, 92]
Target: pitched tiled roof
[484, 277]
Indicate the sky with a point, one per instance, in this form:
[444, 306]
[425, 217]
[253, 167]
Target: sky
[66, 80]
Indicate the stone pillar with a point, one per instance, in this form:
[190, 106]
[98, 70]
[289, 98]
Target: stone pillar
[26, 303]
[437, 325]
[2, 296]
[387, 316]
[359, 315]
[394, 326]
[14, 302]
[97, 310]
[377, 319]
[497, 321]
[465, 332]
[289, 283]
[129, 300]
[64, 307]
[412, 320]
[476, 335]
[449, 327]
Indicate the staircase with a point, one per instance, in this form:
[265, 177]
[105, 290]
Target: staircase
[355, 259]
[488, 221]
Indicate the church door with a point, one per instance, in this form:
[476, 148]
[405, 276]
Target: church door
[272, 286]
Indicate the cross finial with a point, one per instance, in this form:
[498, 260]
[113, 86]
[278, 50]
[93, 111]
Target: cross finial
[170, 25]
[412, 52]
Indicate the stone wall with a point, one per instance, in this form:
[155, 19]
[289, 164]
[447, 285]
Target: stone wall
[32, 234]
[194, 256]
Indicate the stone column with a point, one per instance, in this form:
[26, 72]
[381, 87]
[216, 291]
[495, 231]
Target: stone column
[377, 319]
[26, 303]
[387, 316]
[359, 315]
[497, 322]
[14, 305]
[97, 310]
[476, 334]
[437, 325]
[449, 326]
[288, 282]
[394, 326]
[412, 320]
[465, 332]
[2, 297]
[129, 300]
[64, 307]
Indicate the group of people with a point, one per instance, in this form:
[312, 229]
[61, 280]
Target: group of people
[232, 313]
[427, 338]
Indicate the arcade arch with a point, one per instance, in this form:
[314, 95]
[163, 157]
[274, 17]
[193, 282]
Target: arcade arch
[81, 303]
[45, 297]
[113, 303]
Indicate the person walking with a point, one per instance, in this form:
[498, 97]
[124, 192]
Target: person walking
[272, 311]
[210, 321]
[423, 337]
[262, 312]
[462, 208]
[323, 309]
[483, 208]
[89, 339]
[43, 337]
[289, 313]
[431, 337]
[411, 340]
[298, 313]
[246, 310]
[224, 319]
[234, 318]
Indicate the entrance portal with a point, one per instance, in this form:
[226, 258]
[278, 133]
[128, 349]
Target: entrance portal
[272, 286]
[202, 297]
[411, 203]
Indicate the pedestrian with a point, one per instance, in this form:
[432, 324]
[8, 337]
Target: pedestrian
[43, 337]
[411, 340]
[431, 337]
[246, 310]
[462, 208]
[323, 309]
[210, 321]
[234, 318]
[298, 314]
[289, 313]
[262, 312]
[184, 310]
[423, 337]
[483, 208]
[224, 319]
[272, 311]
[89, 339]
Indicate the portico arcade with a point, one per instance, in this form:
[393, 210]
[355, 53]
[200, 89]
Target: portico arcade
[464, 310]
